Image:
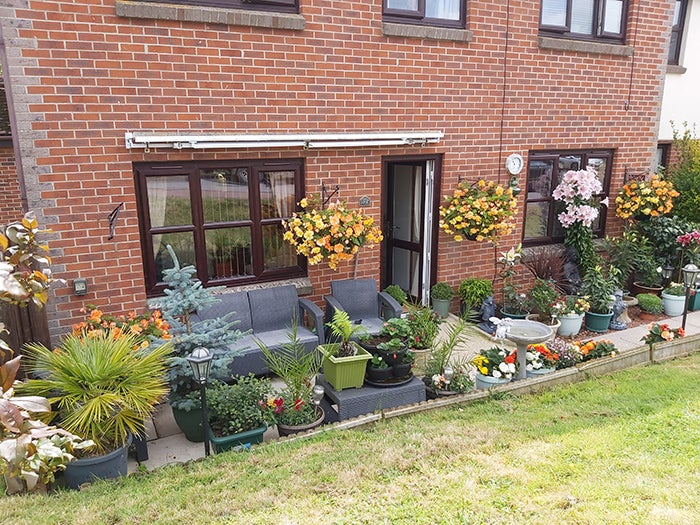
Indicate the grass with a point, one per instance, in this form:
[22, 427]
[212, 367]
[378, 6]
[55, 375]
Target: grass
[616, 449]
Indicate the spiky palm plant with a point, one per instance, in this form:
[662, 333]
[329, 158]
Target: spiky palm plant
[342, 330]
[103, 386]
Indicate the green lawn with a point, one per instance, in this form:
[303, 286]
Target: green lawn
[621, 449]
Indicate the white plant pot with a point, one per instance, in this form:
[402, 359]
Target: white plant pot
[570, 324]
[673, 304]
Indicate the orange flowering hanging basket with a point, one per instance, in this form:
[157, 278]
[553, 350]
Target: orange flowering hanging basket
[335, 233]
[650, 198]
[482, 211]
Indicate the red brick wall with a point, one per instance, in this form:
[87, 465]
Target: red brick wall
[91, 76]
[11, 209]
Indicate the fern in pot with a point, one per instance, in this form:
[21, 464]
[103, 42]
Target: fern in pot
[344, 360]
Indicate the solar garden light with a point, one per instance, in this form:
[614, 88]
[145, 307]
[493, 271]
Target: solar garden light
[690, 275]
[200, 361]
[448, 373]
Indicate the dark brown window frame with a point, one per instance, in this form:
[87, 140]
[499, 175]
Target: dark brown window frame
[191, 169]
[279, 6]
[400, 16]
[674, 54]
[608, 154]
[597, 33]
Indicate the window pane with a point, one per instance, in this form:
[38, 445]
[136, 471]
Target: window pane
[677, 12]
[554, 12]
[407, 5]
[536, 219]
[539, 179]
[582, 17]
[228, 252]
[277, 194]
[183, 245]
[557, 228]
[600, 166]
[169, 201]
[673, 48]
[276, 252]
[570, 162]
[225, 194]
[613, 16]
[444, 9]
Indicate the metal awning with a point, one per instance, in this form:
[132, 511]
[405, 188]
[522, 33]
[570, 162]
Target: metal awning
[282, 140]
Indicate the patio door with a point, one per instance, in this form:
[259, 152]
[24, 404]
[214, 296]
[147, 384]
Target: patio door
[409, 252]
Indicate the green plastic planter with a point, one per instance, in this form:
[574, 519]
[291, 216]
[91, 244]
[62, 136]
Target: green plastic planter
[344, 372]
[224, 443]
[598, 322]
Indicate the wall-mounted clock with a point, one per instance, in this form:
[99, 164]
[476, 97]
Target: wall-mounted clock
[514, 164]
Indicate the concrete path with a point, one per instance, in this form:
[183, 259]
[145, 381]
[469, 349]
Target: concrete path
[167, 445]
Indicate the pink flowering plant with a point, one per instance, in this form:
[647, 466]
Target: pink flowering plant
[577, 191]
[690, 243]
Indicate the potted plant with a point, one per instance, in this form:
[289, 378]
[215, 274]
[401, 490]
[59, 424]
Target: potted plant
[540, 360]
[378, 370]
[397, 293]
[661, 333]
[459, 381]
[673, 299]
[183, 296]
[293, 409]
[514, 302]
[404, 366]
[423, 326]
[344, 361]
[31, 451]
[394, 328]
[237, 412]
[629, 253]
[647, 276]
[86, 378]
[594, 349]
[542, 299]
[494, 366]
[441, 294]
[577, 191]
[482, 211]
[334, 232]
[570, 313]
[441, 359]
[392, 351]
[650, 306]
[472, 292]
[640, 200]
[599, 287]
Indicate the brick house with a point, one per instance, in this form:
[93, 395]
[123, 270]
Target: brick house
[681, 100]
[203, 121]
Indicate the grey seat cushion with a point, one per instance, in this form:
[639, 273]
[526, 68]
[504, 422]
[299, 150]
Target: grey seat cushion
[372, 325]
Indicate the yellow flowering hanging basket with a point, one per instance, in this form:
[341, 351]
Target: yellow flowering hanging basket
[335, 233]
[482, 211]
[646, 198]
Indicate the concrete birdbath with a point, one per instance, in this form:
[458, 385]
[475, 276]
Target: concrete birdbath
[523, 333]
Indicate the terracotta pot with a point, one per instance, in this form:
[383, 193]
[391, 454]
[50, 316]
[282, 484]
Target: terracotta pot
[638, 288]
